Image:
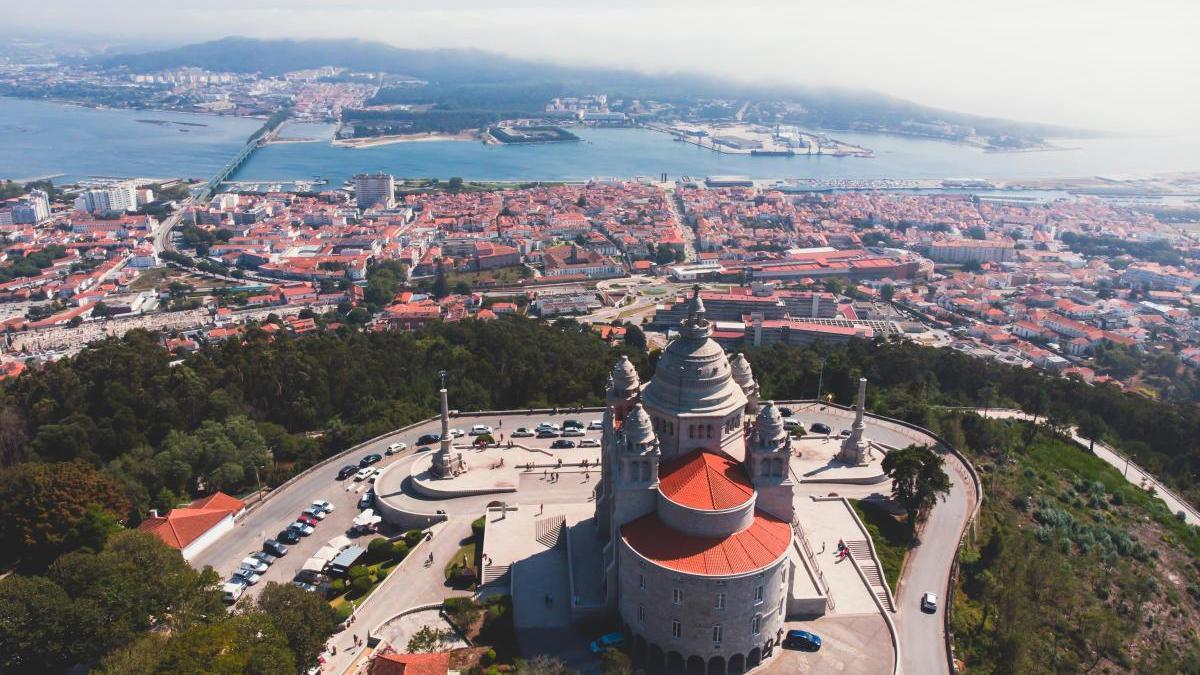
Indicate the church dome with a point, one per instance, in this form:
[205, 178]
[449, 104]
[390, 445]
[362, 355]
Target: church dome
[741, 371]
[769, 426]
[624, 375]
[694, 375]
[639, 431]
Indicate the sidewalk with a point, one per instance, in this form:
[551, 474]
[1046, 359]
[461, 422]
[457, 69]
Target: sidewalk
[410, 583]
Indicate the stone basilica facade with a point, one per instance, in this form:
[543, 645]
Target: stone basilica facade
[695, 509]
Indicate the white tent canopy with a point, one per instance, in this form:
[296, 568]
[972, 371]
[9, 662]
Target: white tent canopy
[340, 542]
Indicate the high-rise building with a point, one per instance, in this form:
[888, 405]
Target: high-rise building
[116, 197]
[375, 190]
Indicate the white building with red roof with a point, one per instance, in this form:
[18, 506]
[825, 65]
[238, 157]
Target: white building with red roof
[194, 527]
[696, 504]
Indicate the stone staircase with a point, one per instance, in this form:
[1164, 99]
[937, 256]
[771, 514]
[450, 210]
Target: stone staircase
[861, 551]
[495, 576]
[549, 531]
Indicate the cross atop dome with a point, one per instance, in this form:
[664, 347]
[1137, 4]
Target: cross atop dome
[696, 326]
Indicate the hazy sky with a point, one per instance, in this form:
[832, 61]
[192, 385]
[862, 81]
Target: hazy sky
[1130, 65]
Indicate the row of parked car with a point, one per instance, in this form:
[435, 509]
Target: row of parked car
[251, 568]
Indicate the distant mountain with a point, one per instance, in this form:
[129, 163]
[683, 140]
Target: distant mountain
[461, 71]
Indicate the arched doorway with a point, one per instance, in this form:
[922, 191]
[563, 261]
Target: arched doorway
[737, 664]
[753, 658]
[655, 661]
[695, 665]
[716, 665]
[674, 662]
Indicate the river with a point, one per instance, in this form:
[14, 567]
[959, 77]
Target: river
[39, 138]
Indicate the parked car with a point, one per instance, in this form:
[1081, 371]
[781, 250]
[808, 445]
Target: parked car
[791, 424]
[315, 513]
[589, 443]
[346, 471]
[605, 642]
[572, 431]
[246, 576]
[288, 536]
[596, 425]
[323, 505]
[547, 433]
[370, 459]
[562, 444]
[264, 557]
[253, 564]
[818, 428]
[367, 500]
[429, 439]
[305, 586]
[480, 429]
[275, 548]
[307, 520]
[572, 423]
[424, 448]
[547, 426]
[522, 432]
[395, 447]
[232, 591]
[785, 412]
[373, 476]
[457, 433]
[364, 474]
[929, 602]
[844, 433]
[301, 528]
[802, 639]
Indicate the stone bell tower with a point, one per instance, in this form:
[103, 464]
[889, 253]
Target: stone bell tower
[768, 456]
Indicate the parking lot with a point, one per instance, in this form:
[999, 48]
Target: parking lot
[282, 508]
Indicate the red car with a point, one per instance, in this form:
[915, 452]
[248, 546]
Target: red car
[308, 520]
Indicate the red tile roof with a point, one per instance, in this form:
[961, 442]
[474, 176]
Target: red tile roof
[181, 527]
[411, 664]
[705, 480]
[754, 548]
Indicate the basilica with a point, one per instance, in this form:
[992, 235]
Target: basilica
[695, 508]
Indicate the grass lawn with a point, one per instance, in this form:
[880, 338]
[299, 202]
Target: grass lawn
[151, 279]
[465, 552]
[891, 536]
[503, 276]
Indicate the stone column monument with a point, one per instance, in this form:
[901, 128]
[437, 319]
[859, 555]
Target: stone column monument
[445, 465]
[855, 448]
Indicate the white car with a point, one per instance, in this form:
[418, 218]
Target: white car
[253, 564]
[589, 443]
[395, 447]
[373, 476]
[480, 429]
[929, 602]
[572, 431]
[547, 426]
[596, 425]
[364, 474]
[323, 505]
[246, 576]
[522, 432]
[457, 433]
[314, 512]
[233, 590]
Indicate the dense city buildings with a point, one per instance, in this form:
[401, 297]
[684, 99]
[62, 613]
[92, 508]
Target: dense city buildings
[374, 190]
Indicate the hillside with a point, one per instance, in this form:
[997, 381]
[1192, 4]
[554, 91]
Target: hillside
[461, 77]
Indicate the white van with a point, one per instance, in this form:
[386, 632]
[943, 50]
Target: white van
[232, 591]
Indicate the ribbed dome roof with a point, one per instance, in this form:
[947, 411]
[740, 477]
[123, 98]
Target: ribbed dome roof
[769, 426]
[741, 370]
[638, 428]
[693, 375]
[624, 375]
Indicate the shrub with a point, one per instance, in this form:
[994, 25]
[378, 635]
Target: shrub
[338, 585]
[361, 584]
[380, 574]
[477, 526]
[412, 537]
[399, 550]
[379, 548]
[343, 611]
[358, 571]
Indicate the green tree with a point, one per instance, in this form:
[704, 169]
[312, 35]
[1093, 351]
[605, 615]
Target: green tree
[40, 628]
[1092, 427]
[635, 337]
[887, 292]
[244, 643]
[615, 662]
[428, 639]
[455, 184]
[918, 478]
[304, 618]
[440, 287]
[44, 506]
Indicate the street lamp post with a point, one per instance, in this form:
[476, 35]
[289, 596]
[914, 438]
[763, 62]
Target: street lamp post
[820, 379]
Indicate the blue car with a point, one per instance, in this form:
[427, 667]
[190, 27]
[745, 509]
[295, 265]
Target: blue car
[605, 642]
[802, 639]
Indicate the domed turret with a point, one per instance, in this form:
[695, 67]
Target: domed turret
[639, 431]
[624, 376]
[769, 431]
[744, 376]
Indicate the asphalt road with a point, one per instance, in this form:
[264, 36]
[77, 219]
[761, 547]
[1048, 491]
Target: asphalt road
[922, 635]
[282, 507]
